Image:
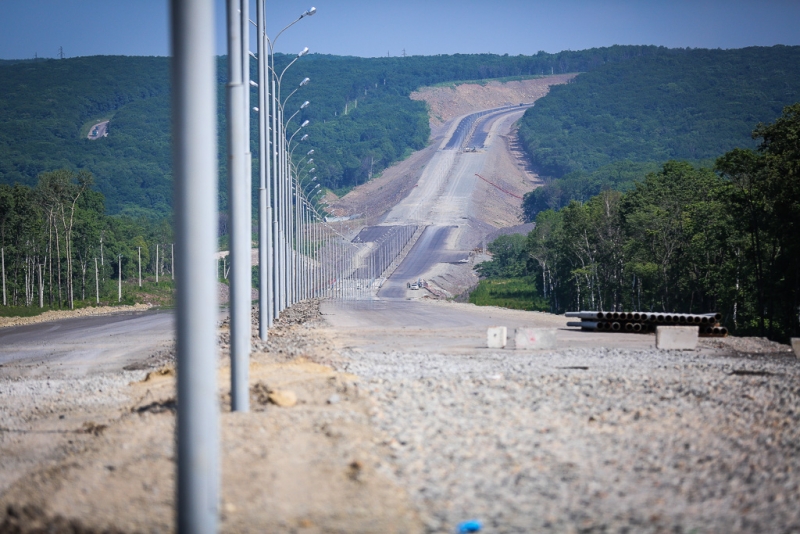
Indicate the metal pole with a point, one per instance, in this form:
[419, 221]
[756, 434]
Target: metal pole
[264, 215]
[96, 283]
[119, 294]
[277, 275]
[3, 256]
[194, 124]
[283, 215]
[239, 208]
[172, 261]
[140, 265]
[157, 263]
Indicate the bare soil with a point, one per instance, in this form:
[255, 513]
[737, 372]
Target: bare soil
[512, 168]
[446, 103]
[97, 454]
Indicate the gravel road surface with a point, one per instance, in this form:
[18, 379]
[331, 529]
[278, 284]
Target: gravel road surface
[581, 439]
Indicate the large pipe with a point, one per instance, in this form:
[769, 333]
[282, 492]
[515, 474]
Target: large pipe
[584, 324]
[194, 163]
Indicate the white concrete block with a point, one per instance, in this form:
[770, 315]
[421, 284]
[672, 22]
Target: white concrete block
[535, 338]
[796, 346]
[676, 337]
[496, 337]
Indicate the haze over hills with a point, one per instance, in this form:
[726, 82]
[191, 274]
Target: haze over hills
[362, 119]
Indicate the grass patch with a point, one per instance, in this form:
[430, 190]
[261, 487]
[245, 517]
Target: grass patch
[23, 311]
[161, 294]
[342, 191]
[513, 293]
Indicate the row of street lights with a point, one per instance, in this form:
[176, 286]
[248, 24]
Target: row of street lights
[300, 255]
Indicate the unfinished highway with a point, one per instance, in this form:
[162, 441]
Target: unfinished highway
[412, 424]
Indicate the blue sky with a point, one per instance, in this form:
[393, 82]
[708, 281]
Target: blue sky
[420, 27]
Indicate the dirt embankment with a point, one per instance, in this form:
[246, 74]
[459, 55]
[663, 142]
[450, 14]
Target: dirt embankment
[376, 197]
[96, 453]
[446, 103]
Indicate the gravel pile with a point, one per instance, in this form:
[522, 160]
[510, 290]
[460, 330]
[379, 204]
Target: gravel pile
[592, 440]
[289, 336]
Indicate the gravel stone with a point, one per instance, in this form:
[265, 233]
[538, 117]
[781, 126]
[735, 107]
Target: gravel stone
[591, 440]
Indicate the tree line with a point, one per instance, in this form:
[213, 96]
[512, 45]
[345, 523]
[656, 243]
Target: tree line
[59, 249]
[684, 239]
[594, 132]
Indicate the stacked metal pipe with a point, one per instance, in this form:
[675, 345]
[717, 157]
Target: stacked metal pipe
[644, 322]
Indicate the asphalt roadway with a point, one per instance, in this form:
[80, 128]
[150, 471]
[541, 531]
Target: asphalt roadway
[85, 345]
[426, 252]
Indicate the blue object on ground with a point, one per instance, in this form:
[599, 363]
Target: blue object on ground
[472, 525]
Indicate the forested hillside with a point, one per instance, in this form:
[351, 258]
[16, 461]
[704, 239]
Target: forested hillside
[687, 104]
[639, 103]
[361, 117]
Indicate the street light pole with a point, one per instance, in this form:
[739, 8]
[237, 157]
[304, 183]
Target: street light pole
[239, 209]
[119, 268]
[266, 289]
[194, 163]
[281, 215]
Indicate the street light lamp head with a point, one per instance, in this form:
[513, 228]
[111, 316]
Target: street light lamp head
[310, 12]
[253, 84]
[310, 152]
[313, 169]
[305, 104]
[310, 160]
[305, 123]
[304, 137]
[303, 52]
[304, 82]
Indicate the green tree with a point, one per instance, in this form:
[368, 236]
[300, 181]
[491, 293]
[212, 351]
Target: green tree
[766, 192]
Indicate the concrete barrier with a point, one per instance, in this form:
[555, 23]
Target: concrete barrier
[676, 337]
[496, 337]
[535, 338]
[796, 346]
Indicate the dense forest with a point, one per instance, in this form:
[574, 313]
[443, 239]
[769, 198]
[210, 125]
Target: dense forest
[690, 105]
[683, 239]
[361, 117]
